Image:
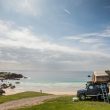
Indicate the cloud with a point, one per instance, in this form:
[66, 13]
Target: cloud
[20, 37]
[26, 7]
[87, 37]
[96, 41]
[91, 38]
[67, 11]
[20, 45]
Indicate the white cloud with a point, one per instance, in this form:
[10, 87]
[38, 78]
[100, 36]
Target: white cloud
[91, 38]
[21, 37]
[18, 37]
[80, 36]
[26, 7]
[20, 44]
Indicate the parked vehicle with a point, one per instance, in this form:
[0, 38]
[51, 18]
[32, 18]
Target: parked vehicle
[93, 90]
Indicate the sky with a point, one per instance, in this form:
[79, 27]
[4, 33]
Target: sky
[55, 35]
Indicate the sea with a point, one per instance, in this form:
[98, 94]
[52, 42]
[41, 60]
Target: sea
[53, 82]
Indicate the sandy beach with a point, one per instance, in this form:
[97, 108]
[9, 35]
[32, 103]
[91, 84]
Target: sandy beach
[51, 88]
[14, 91]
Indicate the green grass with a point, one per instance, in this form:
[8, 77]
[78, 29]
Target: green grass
[65, 103]
[20, 96]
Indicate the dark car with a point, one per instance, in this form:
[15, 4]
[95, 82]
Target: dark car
[92, 90]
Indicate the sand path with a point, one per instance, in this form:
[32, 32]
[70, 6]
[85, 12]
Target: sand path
[25, 102]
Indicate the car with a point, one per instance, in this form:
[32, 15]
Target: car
[92, 90]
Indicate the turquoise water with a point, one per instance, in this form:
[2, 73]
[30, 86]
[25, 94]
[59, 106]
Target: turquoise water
[58, 82]
[56, 76]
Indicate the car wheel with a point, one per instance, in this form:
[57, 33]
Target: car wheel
[82, 97]
[99, 98]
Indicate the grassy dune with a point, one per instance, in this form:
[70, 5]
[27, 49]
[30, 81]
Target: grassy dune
[65, 103]
[20, 96]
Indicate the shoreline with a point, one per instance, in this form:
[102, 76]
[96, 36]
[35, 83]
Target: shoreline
[11, 91]
[50, 88]
[14, 91]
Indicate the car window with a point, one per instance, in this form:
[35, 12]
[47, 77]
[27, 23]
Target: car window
[103, 86]
[91, 87]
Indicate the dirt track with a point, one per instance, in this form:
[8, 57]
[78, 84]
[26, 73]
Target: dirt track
[25, 102]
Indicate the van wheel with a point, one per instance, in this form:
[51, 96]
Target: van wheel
[99, 98]
[82, 97]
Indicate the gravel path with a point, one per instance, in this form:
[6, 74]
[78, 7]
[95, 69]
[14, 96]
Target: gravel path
[25, 102]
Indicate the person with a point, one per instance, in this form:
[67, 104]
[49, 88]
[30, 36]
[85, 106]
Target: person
[40, 91]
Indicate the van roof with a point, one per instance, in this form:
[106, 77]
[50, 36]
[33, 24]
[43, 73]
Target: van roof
[100, 73]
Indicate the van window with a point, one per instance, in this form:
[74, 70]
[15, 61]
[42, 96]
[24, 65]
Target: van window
[90, 87]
